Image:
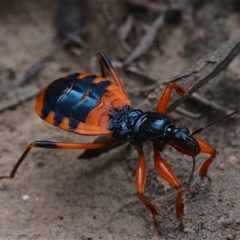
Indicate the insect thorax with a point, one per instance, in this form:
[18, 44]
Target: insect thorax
[136, 127]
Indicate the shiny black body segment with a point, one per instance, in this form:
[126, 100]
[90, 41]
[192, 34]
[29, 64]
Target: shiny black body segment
[135, 126]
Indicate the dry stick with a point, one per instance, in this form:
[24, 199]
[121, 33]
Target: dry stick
[200, 73]
[18, 95]
[197, 97]
[150, 35]
[214, 64]
[145, 74]
[11, 90]
[34, 69]
[110, 24]
[125, 28]
[147, 40]
[187, 113]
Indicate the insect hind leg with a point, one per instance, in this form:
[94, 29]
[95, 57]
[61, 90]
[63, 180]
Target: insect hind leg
[104, 61]
[56, 145]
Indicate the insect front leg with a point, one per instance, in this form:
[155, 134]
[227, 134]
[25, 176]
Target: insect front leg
[166, 95]
[56, 145]
[140, 179]
[206, 148]
[165, 171]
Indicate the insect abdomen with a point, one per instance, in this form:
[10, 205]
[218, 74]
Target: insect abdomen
[79, 98]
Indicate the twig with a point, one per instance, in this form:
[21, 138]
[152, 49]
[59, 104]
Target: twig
[125, 28]
[195, 77]
[18, 95]
[34, 69]
[150, 35]
[147, 40]
[188, 113]
[143, 73]
[197, 97]
[200, 73]
[110, 24]
[214, 64]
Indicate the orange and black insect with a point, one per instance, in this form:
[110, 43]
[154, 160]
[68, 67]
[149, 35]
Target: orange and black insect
[92, 105]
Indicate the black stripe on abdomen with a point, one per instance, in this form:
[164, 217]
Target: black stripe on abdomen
[73, 98]
[82, 108]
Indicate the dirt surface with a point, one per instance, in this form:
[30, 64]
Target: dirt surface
[95, 198]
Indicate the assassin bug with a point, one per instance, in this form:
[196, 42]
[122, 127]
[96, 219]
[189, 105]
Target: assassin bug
[92, 105]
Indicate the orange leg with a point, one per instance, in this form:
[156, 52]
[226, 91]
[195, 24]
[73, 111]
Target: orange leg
[165, 97]
[59, 145]
[104, 61]
[206, 148]
[140, 179]
[165, 171]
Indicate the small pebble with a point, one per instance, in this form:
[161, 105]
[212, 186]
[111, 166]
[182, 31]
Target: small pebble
[25, 197]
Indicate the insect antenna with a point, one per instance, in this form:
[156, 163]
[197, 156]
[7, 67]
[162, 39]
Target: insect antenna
[217, 121]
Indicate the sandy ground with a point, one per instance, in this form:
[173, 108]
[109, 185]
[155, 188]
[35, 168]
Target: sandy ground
[95, 198]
